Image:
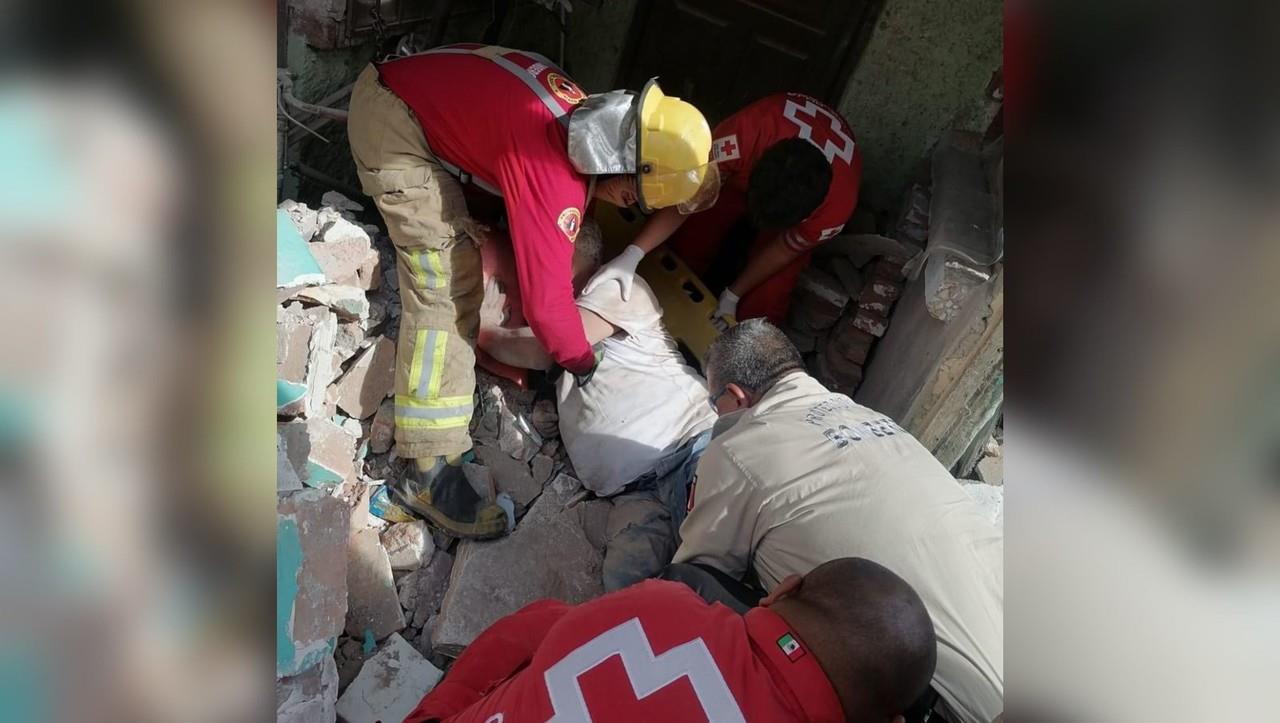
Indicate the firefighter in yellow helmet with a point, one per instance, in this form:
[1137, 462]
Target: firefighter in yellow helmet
[510, 123]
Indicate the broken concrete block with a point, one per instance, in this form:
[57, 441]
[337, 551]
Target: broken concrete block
[304, 358]
[348, 302]
[546, 556]
[351, 262]
[408, 545]
[991, 470]
[432, 583]
[389, 686]
[370, 380]
[292, 449]
[306, 220]
[339, 229]
[336, 200]
[295, 266]
[510, 475]
[332, 453]
[372, 603]
[541, 467]
[309, 697]
[348, 340]
[383, 428]
[311, 578]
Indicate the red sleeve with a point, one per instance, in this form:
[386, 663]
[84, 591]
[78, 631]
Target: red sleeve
[500, 652]
[828, 219]
[545, 198]
[726, 146]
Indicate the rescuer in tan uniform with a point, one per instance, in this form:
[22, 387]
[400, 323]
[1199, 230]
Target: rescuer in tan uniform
[796, 475]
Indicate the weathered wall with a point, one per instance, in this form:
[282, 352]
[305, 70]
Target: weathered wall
[925, 68]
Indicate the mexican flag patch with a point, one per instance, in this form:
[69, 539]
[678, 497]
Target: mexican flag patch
[790, 647]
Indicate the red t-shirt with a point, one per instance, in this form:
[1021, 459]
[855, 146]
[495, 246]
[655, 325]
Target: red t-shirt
[482, 116]
[743, 137]
[652, 652]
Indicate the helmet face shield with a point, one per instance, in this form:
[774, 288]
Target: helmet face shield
[673, 147]
[708, 190]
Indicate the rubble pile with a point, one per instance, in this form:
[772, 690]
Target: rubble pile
[369, 613]
[841, 303]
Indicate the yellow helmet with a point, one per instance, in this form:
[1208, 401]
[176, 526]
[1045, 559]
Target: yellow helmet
[673, 145]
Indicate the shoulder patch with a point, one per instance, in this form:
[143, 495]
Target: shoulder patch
[726, 149]
[565, 89]
[570, 222]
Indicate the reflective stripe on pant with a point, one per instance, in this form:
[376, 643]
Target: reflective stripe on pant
[438, 268]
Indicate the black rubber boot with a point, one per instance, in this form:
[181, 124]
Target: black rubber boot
[443, 496]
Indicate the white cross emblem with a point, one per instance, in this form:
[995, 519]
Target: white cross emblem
[828, 137]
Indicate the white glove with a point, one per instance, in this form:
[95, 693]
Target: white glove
[728, 307]
[622, 269]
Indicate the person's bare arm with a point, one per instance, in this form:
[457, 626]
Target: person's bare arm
[520, 348]
[775, 256]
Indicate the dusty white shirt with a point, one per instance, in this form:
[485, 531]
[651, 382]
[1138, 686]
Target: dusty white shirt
[806, 476]
[642, 403]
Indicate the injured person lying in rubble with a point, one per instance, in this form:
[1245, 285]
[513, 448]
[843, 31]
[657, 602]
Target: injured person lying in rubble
[635, 429]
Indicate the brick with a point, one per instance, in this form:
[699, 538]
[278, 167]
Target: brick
[390, 684]
[311, 578]
[369, 381]
[848, 274]
[838, 375]
[816, 302]
[871, 322]
[848, 342]
[546, 556]
[372, 602]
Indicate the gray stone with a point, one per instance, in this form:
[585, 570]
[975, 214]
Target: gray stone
[547, 556]
[389, 686]
[542, 466]
[309, 697]
[383, 429]
[408, 545]
[372, 601]
[292, 448]
[336, 200]
[991, 470]
[432, 583]
[511, 475]
[594, 517]
[311, 577]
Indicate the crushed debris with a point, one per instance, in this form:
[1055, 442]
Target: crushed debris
[366, 593]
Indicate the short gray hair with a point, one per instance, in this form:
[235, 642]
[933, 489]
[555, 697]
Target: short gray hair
[588, 248]
[753, 355]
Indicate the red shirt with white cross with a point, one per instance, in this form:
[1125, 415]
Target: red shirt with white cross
[743, 137]
[503, 122]
[654, 651]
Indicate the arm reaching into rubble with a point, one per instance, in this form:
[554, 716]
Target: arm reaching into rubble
[622, 268]
[722, 501]
[498, 653]
[520, 348]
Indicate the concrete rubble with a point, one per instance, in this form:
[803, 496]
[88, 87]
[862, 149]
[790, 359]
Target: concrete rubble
[547, 556]
[365, 592]
[389, 685]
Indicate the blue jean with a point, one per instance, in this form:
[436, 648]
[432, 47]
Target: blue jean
[644, 524]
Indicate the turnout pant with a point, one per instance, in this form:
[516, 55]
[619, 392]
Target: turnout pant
[438, 266]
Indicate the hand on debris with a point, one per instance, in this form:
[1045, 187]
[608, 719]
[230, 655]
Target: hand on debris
[726, 311]
[621, 269]
[493, 309]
